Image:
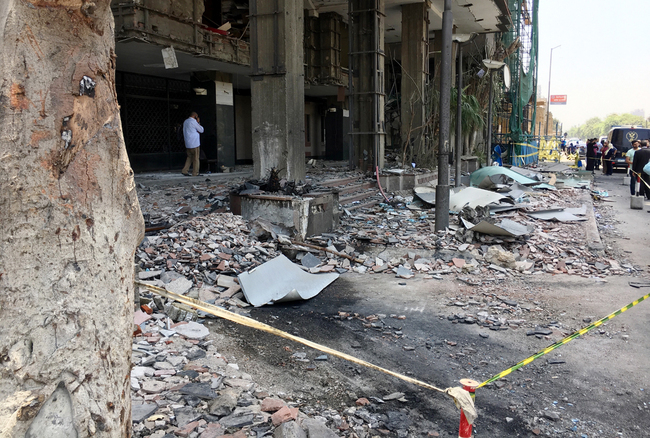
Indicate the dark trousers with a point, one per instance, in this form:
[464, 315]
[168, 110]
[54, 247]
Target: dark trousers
[644, 190]
[632, 183]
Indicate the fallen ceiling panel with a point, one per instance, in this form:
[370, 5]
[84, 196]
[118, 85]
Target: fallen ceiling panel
[280, 280]
[506, 227]
[473, 197]
[558, 214]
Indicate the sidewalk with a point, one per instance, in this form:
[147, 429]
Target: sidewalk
[632, 225]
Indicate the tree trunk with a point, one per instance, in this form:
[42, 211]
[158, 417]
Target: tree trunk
[69, 224]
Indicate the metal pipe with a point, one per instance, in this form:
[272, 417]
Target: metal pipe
[459, 116]
[375, 85]
[254, 43]
[351, 95]
[276, 37]
[488, 142]
[442, 189]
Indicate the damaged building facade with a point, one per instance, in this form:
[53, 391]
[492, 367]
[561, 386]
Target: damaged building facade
[271, 79]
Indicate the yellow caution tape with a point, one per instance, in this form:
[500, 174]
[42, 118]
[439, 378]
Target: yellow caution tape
[527, 145]
[563, 341]
[524, 156]
[248, 322]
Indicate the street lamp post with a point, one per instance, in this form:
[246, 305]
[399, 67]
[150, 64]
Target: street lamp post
[461, 39]
[491, 65]
[442, 189]
[548, 102]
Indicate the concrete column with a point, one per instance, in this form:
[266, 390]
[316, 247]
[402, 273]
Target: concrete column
[367, 62]
[278, 87]
[415, 54]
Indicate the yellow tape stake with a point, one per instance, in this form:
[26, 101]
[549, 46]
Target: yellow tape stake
[248, 322]
[563, 341]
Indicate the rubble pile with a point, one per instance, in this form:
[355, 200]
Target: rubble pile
[203, 247]
[382, 239]
[183, 386]
[552, 247]
[164, 207]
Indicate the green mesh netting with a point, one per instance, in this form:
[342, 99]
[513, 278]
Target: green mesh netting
[522, 64]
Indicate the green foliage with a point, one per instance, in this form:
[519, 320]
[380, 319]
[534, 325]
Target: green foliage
[595, 127]
[471, 112]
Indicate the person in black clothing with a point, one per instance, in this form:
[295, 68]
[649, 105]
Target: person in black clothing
[608, 155]
[591, 154]
[641, 158]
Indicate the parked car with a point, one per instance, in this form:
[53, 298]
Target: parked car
[621, 137]
[579, 145]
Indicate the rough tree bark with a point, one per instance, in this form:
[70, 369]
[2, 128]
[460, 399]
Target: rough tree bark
[69, 224]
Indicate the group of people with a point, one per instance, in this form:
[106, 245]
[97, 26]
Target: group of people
[637, 159]
[598, 153]
[569, 149]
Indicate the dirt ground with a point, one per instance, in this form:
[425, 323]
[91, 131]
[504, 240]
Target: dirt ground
[595, 386]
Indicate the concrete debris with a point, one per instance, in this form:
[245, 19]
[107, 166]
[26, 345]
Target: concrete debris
[192, 330]
[206, 248]
[206, 395]
[498, 256]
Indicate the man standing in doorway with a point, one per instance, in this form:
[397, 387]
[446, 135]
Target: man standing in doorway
[191, 130]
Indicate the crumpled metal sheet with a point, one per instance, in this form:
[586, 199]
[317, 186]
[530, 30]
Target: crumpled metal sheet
[473, 197]
[479, 175]
[426, 194]
[506, 227]
[281, 280]
[495, 182]
[573, 182]
[528, 173]
[560, 214]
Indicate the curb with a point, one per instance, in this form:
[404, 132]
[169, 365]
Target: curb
[591, 229]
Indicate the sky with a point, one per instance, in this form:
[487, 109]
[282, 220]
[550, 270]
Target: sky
[603, 62]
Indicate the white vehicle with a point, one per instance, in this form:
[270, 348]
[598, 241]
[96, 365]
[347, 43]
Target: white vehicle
[576, 142]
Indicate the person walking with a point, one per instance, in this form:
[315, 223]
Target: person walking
[641, 158]
[608, 155]
[629, 158]
[191, 130]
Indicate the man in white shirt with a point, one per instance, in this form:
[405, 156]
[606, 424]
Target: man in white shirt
[191, 131]
[629, 159]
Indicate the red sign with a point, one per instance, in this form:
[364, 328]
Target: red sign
[558, 99]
